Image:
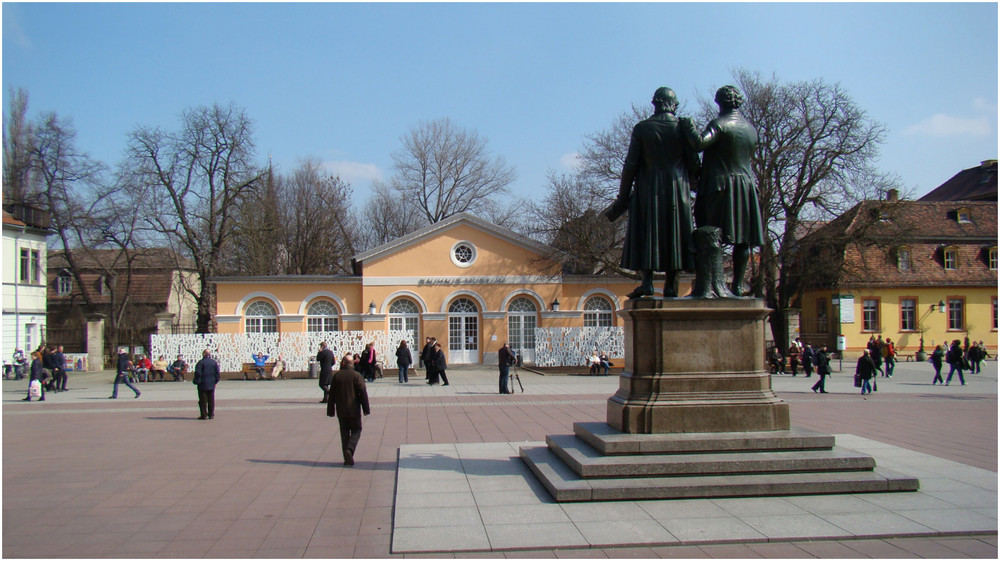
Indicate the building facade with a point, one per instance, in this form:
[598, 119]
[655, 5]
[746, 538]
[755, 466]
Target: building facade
[24, 295]
[467, 282]
[146, 292]
[920, 273]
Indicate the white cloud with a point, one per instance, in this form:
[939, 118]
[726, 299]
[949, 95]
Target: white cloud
[353, 172]
[571, 161]
[950, 125]
[983, 105]
[12, 29]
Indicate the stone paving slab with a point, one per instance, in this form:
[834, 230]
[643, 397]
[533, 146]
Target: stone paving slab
[142, 478]
[539, 522]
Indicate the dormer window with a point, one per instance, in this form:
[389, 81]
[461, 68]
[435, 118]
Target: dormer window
[963, 216]
[950, 258]
[903, 259]
[991, 258]
[64, 283]
[102, 285]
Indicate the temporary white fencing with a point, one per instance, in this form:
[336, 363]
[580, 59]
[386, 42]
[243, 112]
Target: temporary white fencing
[573, 346]
[231, 350]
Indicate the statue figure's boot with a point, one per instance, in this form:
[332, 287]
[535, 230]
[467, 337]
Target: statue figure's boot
[671, 285]
[741, 256]
[644, 289]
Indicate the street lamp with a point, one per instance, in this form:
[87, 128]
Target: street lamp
[371, 308]
[555, 305]
[939, 306]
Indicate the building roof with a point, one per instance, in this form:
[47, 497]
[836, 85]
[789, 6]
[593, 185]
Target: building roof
[861, 247]
[8, 219]
[447, 224]
[148, 258]
[973, 184]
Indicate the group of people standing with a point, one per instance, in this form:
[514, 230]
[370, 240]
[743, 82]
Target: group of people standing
[48, 369]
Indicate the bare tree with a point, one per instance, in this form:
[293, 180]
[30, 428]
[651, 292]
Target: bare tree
[197, 178]
[17, 149]
[443, 170]
[569, 220]
[295, 224]
[97, 225]
[386, 217]
[321, 235]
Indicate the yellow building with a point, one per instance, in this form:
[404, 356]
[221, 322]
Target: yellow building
[903, 270]
[467, 282]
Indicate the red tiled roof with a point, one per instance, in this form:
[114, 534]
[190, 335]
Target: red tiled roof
[860, 247]
[8, 219]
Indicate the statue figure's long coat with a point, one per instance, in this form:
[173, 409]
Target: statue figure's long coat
[659, 165]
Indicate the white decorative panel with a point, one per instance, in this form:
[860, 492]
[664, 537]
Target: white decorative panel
[572, 346]
[231, 350]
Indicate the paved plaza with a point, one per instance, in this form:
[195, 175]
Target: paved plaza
[437, 474]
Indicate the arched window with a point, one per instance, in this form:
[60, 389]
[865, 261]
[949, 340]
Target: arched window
[405, 315]
[597, 312]
[522, 318]
[261, 317]
[322, 316]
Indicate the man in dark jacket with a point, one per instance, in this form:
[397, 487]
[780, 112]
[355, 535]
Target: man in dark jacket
[122, 375]
[348, 398]
[206, 376]
[427, 356]
[325, 359]
[505, 359]
[822, 369]
[440, 364]
[59, 362]
[866, 370]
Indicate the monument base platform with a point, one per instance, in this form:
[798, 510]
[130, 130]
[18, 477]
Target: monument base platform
[600, 463]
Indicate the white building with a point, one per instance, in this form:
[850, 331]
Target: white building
[24, 291]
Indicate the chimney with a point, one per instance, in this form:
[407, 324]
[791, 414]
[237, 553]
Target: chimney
[892, 195]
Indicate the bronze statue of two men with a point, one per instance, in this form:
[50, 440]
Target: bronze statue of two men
[656, 183]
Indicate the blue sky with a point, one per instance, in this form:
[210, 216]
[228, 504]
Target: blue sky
[343, 82]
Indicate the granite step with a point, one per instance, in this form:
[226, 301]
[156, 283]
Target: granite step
[587, 462]
[609, 441]
[565, 485]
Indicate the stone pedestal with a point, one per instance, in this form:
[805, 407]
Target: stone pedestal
[95, 341]
[695, 365]
[165, 323]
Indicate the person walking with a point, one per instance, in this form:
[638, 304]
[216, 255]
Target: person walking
[937, 360]
[325, 359]
[348, 399]
[403, 360]
[122, 375]
[59, 374]
[822, 369]
[505, 358]
[954, 358]
[975, 357]
[875, 349]
[865, 370]
[440, 364]
[36, 372]
[206, 377]
[889, 354]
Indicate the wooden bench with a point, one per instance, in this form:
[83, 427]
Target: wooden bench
[250, 371]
